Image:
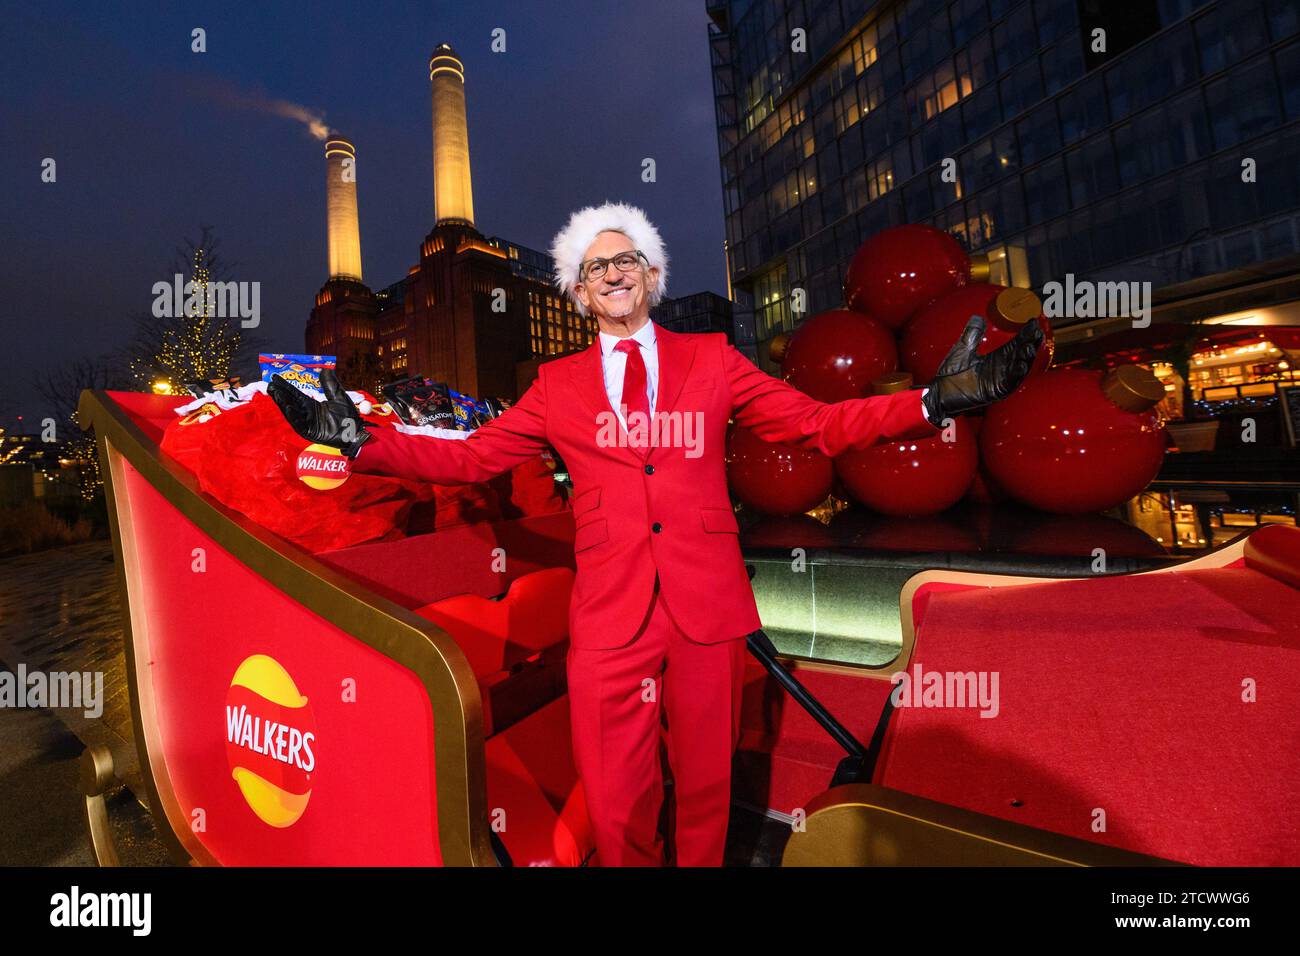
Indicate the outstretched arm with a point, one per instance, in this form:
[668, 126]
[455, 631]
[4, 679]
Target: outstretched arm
[514, 436]
[778, 412]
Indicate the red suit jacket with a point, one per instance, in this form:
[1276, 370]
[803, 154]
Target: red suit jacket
[669, 511]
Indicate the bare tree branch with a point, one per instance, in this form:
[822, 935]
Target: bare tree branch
[62, 386]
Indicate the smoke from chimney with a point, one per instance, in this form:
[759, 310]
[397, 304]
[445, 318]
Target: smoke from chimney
[224, 93]
[314, 122]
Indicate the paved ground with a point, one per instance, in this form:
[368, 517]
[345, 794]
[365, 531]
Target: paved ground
[41, 818]
[59, 611]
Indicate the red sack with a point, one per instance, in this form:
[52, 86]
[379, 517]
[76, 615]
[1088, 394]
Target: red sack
[246, 458]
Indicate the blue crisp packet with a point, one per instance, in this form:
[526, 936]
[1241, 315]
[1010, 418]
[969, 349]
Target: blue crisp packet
[465, 411]
[300, 371]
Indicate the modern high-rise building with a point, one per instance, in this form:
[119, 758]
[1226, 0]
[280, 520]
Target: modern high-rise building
[697, 312]
[1115, 140]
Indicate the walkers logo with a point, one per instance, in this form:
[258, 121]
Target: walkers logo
[323, 467]
[270, 740]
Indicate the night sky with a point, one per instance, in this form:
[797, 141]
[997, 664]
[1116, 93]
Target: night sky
[153, 140]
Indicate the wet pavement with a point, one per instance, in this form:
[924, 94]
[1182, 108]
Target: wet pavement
[59, 611]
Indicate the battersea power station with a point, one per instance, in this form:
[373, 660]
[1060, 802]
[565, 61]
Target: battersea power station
[477, 312]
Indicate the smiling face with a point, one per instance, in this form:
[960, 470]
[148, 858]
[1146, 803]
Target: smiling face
[617, 299]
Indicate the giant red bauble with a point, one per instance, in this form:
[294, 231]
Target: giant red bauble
[900, 269]
[836, 355]
[919, 476]
[935, 328]
[983, 489]
[1060, 445]
[775, 479]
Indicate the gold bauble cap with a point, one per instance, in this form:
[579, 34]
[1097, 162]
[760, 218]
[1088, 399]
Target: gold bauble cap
[979, 268]
[891, 383]
[1018, 306]
[777, 346]
[1132, 388]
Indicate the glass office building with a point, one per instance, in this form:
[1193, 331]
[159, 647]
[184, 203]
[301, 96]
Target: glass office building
[1125, 164]
[696, 312]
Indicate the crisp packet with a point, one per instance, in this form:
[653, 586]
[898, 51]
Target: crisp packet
[222, 383]
[465, 410]
[300, 371]
[421, 401]
[224, 391]
[495, 406]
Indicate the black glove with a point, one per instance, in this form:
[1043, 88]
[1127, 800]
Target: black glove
[967, 380]
[335, 421]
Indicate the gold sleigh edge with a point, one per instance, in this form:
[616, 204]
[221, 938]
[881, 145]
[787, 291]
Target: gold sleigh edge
[411, 641]
[858, 825]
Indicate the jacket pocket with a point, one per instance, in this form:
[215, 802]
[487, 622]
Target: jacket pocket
[720, 519]
[587, 500]
[590, 534]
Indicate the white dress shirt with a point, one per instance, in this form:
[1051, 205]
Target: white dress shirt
[614, 364]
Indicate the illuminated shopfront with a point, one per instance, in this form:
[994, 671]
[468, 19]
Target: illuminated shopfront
[1230, 367]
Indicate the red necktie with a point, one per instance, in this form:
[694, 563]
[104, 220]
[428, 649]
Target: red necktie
[635, 397]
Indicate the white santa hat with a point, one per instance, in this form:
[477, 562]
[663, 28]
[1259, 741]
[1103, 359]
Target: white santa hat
[572, 242]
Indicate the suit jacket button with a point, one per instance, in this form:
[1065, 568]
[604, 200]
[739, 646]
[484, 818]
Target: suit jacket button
[656, 527]
[649, 469]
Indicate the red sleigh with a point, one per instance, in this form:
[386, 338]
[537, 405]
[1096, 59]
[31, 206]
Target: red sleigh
[291, 708]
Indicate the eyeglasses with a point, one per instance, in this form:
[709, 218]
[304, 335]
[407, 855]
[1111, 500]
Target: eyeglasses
[623, 262]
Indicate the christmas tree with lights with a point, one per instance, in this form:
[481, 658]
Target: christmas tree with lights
[197, 344]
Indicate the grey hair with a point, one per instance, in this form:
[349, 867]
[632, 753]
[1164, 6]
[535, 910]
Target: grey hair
[573, 241]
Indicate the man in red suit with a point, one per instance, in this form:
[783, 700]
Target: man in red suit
[661, 601]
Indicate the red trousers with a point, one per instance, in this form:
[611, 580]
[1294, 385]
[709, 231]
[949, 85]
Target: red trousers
[617, 699]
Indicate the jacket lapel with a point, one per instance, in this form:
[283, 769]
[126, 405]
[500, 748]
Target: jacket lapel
[676, 355]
